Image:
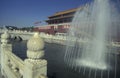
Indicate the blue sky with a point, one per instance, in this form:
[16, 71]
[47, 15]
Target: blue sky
[23, 13]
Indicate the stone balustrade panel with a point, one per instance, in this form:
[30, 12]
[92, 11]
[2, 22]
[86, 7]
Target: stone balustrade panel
[14, 64]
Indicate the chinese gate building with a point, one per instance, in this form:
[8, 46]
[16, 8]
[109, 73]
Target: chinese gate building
[59, 22]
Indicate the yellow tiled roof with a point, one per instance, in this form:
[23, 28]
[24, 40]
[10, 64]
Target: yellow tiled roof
[66, 11]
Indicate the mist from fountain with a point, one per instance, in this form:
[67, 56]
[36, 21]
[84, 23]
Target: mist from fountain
[90, 35]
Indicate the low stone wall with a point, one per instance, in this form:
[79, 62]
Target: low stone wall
[58, 39]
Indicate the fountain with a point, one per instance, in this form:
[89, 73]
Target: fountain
[92, 31]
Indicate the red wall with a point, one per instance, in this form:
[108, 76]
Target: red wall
[52, 29]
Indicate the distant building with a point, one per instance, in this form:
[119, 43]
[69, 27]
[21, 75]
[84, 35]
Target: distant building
[11, 27]
[58, 22]
[62, 17]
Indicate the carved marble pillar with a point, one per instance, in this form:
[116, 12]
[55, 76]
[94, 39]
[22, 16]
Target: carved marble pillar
[4, 41]
[35, 66]
[5, 38]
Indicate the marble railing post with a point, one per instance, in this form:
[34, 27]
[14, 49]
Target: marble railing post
[4, 43]
[35, 66]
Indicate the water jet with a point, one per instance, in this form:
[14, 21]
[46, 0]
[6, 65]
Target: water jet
[100, 21]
